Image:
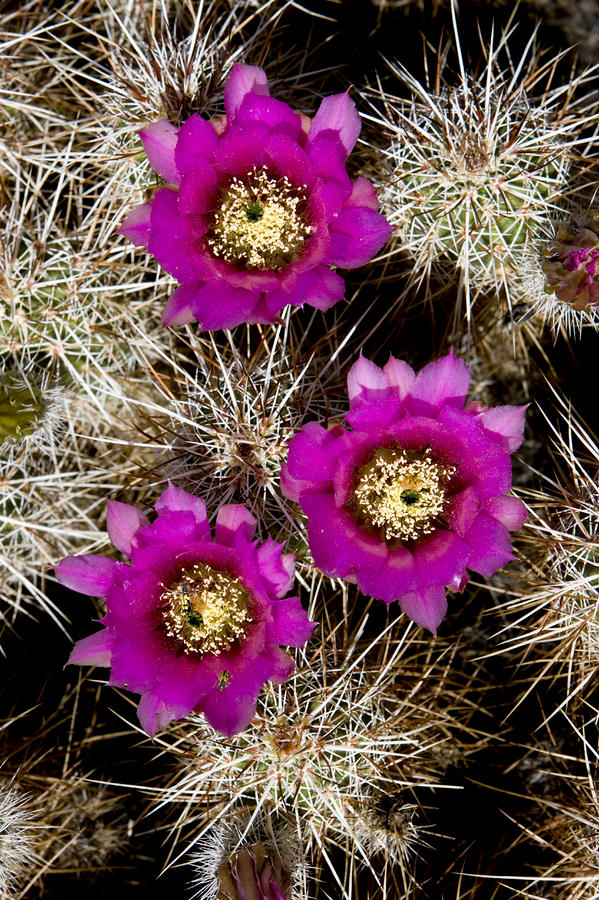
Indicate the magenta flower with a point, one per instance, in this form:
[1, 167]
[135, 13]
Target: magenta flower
[257, 207]
[415, 493]
[194, 622]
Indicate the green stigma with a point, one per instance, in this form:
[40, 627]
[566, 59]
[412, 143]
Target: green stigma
[409, 497]
[254, 211]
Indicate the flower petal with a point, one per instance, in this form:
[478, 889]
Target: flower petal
[89, 574]
[179, 306]
[309, 460]
[240, 82]
[319, 287]
[510, 511]
[95, 650]
[176, 499]
[357, 234]
[490, 545]
[443, 382]
[363, 194]
[276, 115]
[159, 141]
[198, 188]
[366, 381]
[337, 113]
[196, 142]
[400, 376]
[291, 625]
[426, 607]
[463, 509]
[507, 421]
[393, 578]
[214, 304]
[136, 226]
[231, 520]
[338, 546]
[276, 569]
[230, 716]
[123, 521]
[153, 713]
[173, 240]
[441, 558]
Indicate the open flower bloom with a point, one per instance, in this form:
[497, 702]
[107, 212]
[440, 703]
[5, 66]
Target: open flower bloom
[194, 622]
[416, 492]
[257, 206]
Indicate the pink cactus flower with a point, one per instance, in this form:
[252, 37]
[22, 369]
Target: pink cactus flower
[258, 206]
[416, 492]
[194, 622]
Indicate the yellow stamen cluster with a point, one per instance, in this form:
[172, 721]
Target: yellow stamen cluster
[401, 493]
[206, 610]
[260, 223]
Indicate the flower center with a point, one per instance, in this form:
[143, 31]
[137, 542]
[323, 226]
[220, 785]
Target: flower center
[401, 493]
[206, 610]
[260, 223]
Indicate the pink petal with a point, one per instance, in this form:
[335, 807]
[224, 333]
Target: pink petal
[337, 113]
[233, 519]
[230, 716]
[136, 226]
[310, 466]
[363, 194]
[154, 714]
[276, 569]
[240, 82]
[319, 287]
[159, 141]
[123, 521]
[426, 607]
[441, 558]
[175, 239]
[214, 304]
[444, 381]
[391, 579]
[291, 626]
[507, 421]
[400, 376]
[490, 545]
[179, 306]
[198, 188]
[90, 574]
[196, 142]
[463, 509]
[95, 650]
[357, 234]
[366, 381]
[510, 511]
[176, 499]
[275, 114]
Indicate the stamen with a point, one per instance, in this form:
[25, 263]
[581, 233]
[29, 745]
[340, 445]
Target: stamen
[206, 610]
[401, 493]
[260, 223]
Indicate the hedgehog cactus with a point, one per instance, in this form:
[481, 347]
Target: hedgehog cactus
[474, 170]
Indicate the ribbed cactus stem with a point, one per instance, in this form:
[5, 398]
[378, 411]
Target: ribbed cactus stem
[22, 408]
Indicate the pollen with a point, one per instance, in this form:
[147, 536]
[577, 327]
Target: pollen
[261, 222]
[206, 610]
[401, 493]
